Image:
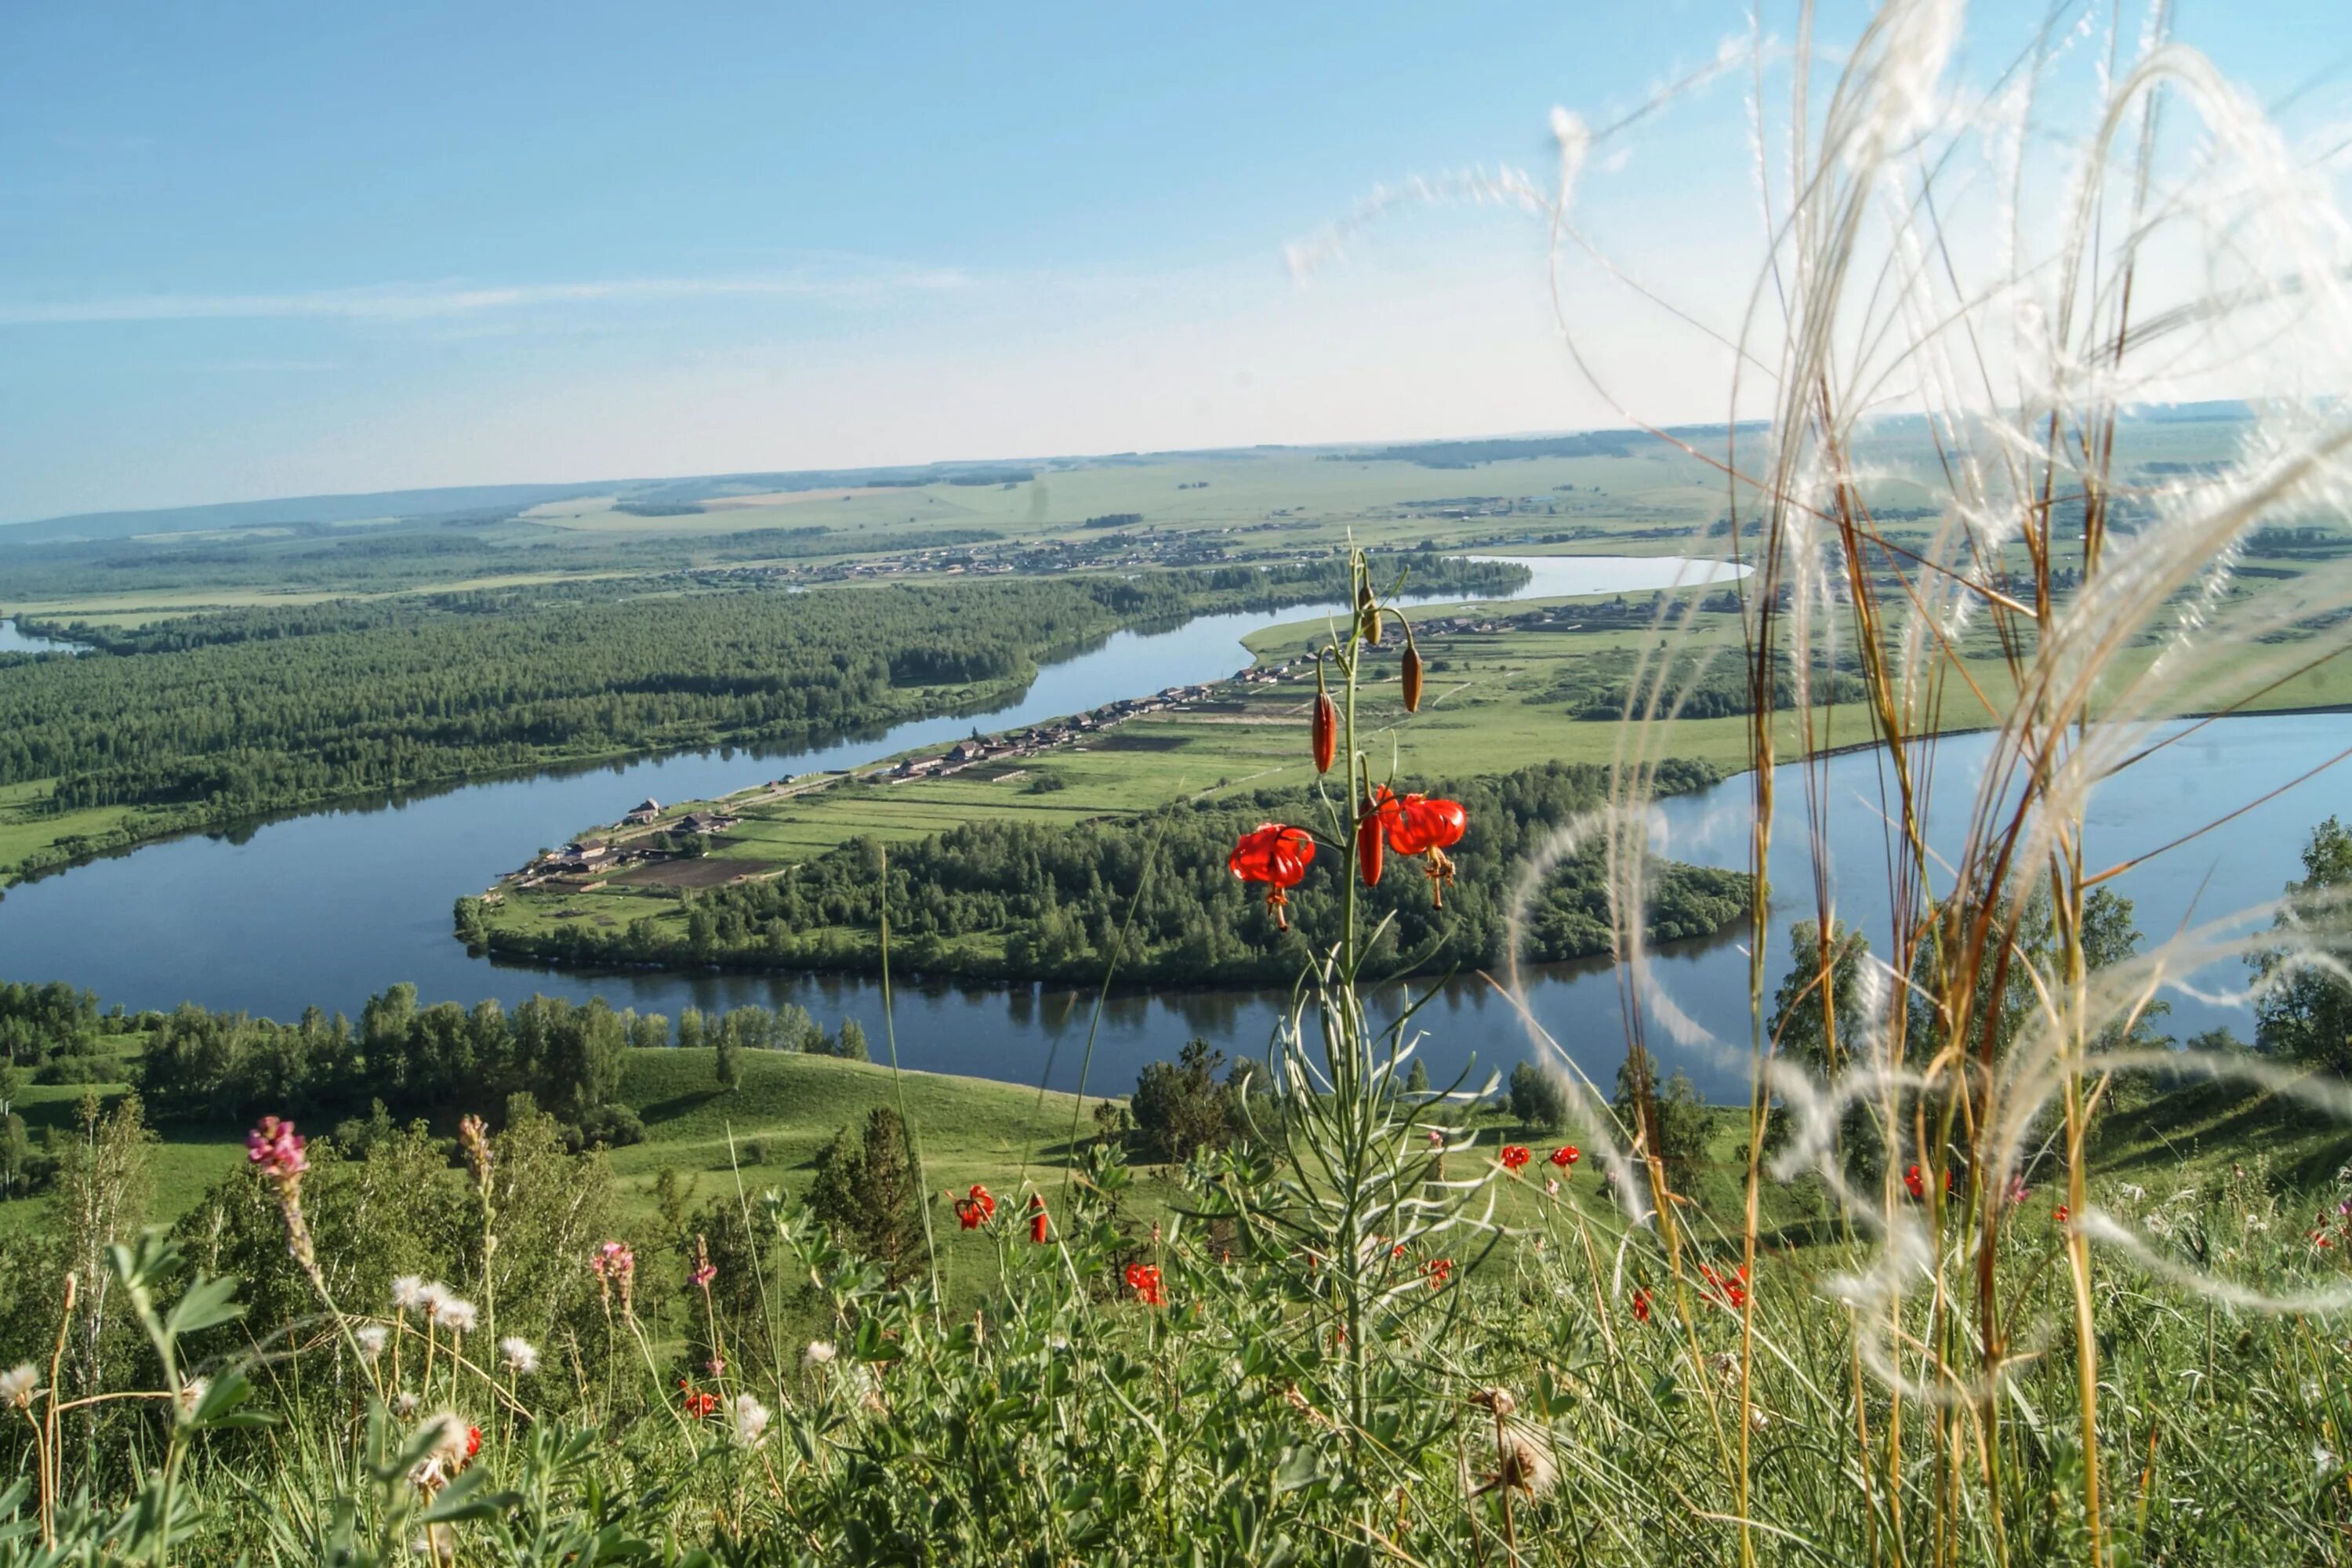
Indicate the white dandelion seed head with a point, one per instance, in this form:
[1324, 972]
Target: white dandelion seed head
[18, 1385]
[455, 1312]
[820, 1352]
[408, 1293]
[748, 1419]
[373, 1338]
[191, 1397]
[519, 1355]
[446, 1456]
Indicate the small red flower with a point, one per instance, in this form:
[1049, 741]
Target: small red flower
[976, 1208]
[1641, 1306]
[473, 1441]
[1730, 1288]
[2059, 1213]
[697, 1404]
[1514, 1156]
[1037, 1218]
[1278, 856]
[1915, 1182]
[1438, 1271]
[1143, 1279]
[1565, 1157]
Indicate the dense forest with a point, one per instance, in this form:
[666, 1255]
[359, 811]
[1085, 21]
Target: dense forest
[248, 712]
[1014, 900]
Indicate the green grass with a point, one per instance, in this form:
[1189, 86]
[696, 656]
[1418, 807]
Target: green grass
[27, 828]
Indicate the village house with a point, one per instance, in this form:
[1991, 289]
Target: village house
[647, 811]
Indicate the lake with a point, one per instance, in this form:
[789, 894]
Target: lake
[331, 906]
[14, 640]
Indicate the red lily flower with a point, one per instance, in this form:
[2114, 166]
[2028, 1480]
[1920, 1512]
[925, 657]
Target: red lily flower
[1421, 825]
[975, 1209]
[1730, 1287]
[1565, 1157]
[1277, 856]
[1037, 1218]
[1514, 1156]
[1641, 1306]
[1143, 1279]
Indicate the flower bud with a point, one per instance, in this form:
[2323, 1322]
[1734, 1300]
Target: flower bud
[1327, 726]
[1412, 674]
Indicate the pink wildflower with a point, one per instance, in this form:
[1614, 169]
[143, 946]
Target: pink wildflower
[276, 1148]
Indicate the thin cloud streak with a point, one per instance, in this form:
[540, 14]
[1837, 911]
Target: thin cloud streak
[410, 303]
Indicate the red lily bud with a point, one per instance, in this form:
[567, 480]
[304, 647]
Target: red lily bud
[1327, 726]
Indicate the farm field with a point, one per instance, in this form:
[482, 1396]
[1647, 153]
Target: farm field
[1615, 492]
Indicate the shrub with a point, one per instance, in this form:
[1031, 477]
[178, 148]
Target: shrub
[614, 1126]
[1538, 1100]
[1180, 1107]
[868, 1189]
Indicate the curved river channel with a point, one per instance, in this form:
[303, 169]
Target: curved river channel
[330, 907]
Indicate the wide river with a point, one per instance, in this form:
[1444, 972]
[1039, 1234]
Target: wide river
[332, 906]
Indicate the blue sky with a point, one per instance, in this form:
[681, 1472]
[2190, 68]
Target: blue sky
[250, 251]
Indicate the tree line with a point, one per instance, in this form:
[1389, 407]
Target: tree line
[434, 1061]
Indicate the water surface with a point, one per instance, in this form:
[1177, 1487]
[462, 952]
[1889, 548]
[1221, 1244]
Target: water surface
[13, 640]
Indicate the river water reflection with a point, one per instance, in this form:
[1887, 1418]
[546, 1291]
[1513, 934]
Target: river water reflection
[329, 906]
